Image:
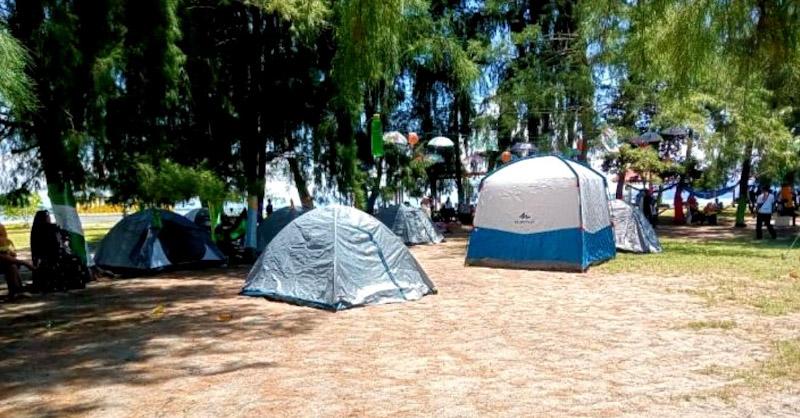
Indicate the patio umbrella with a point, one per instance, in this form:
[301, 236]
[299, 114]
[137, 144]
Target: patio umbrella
[441, 142]
[675, 131]
[647, 138]
[395, 137]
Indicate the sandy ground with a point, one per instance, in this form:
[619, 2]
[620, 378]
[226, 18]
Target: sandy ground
[491, 343]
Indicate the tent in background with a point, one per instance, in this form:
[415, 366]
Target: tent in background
[412, 225]
[155, 239]
[199, 217]
[632, 231]
[271, 226]
[542, 213]
[336, 258]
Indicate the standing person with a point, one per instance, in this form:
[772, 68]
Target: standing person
[9, 264]
[751, 199]
[269, 208]
[647, 206]
[764, 205]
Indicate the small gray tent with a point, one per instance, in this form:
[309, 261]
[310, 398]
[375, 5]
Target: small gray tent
[155, 239]
[632, 231]
[270, 227]
[412, 225]
[199, 217]
[336, 258]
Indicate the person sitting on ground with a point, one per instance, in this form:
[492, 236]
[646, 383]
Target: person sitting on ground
[710, 212]
[696, 216]
[9, 264]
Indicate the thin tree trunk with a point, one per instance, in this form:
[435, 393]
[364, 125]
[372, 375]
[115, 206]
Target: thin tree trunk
[375, 190]
[455, 127]
[620, 184]
[262, 174]
[306, 199]
[680, 217]
[741, 209]
[253, 133]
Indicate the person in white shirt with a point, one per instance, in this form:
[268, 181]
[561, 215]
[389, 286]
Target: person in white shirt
[764, 205]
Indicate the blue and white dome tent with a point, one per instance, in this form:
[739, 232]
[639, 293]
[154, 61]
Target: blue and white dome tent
[544, 213]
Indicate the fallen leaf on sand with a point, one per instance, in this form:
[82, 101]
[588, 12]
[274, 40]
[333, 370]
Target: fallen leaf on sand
[158, 311]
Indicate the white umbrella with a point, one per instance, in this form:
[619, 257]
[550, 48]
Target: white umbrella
[441, 142]
[395, 137]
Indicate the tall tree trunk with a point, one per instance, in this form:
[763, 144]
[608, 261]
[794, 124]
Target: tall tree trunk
[455, 128]
[680, 217]
[741, 208]
[262, 174]
[621, 184]
[533, 128]
[251, 126]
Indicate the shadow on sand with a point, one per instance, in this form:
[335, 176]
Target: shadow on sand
[102, 335]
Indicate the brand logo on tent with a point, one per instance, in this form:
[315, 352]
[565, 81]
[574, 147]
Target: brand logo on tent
[524, 218]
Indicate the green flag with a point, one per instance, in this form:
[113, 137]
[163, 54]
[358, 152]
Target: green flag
[377, 136]
[64, 210]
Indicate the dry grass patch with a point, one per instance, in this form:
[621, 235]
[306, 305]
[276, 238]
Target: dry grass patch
[717, 324]
[764, 275]
[782, 366]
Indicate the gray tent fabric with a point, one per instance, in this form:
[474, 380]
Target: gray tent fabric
[632, 231]
[155, 239]
[192, 214]
[270, 227]
[411, 224]
[337, 258]
[199, 217]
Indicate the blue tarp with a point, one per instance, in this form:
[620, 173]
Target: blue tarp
[710, 194]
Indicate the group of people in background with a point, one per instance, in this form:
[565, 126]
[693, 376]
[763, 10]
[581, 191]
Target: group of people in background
[708, 215]
[447, 212]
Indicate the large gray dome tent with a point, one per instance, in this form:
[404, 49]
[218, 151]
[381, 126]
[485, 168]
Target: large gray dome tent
[154, 239]
[412, 225]
[274, 224]
[336, 258]
[632, 231]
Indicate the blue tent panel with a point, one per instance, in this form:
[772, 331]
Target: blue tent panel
[565, 249]
[551, 250]
[598, 247]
